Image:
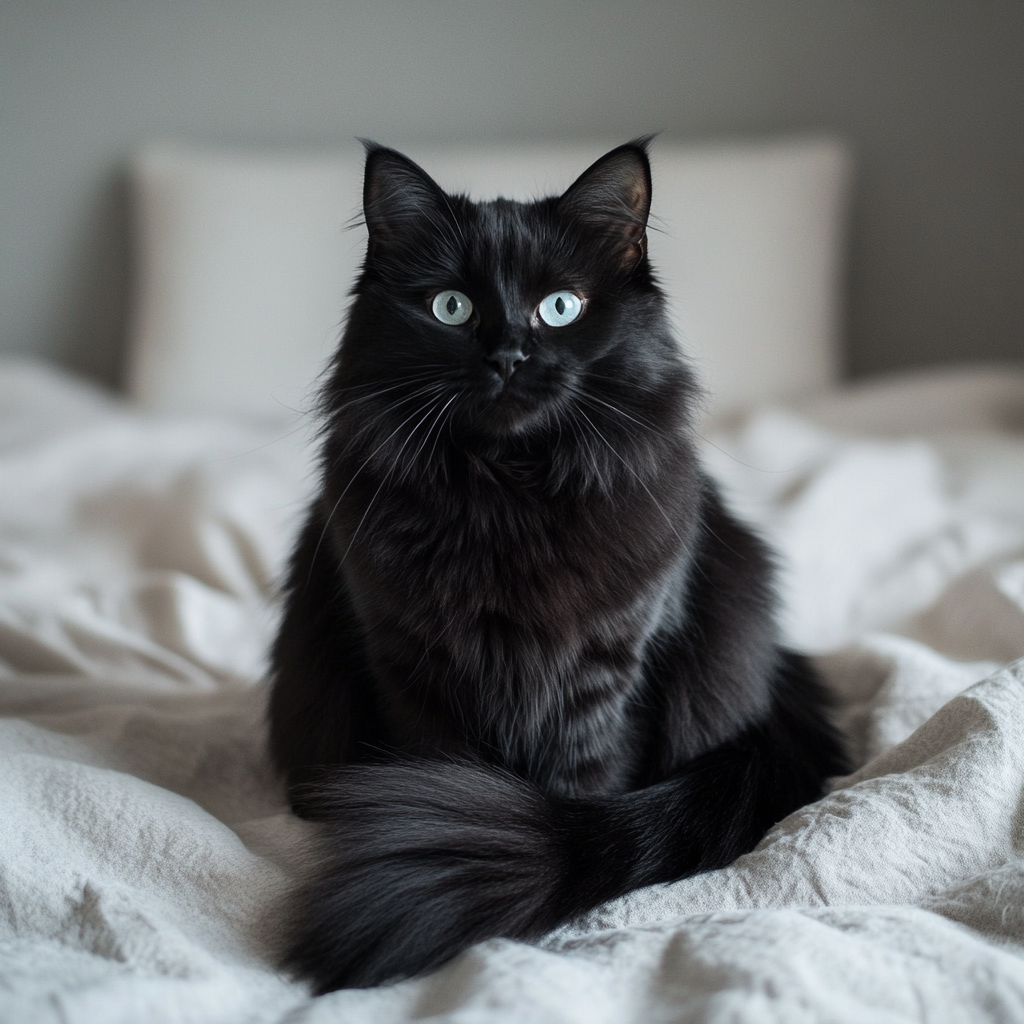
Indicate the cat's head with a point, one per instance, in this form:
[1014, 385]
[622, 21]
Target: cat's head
[505, 319]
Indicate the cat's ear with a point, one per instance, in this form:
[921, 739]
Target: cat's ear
[397, 195]
[612, 198]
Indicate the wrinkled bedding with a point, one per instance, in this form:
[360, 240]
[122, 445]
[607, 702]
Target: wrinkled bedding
[145, 846]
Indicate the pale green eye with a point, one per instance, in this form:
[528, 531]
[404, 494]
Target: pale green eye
[452, 307]
[560, 308]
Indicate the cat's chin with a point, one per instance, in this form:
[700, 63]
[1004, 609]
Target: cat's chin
[510, 415]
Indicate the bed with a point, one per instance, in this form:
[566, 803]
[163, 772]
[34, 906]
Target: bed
[146, 849]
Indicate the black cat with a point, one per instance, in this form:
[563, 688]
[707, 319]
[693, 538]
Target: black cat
[528, 660]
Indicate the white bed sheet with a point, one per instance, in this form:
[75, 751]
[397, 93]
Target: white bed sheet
[145, 847]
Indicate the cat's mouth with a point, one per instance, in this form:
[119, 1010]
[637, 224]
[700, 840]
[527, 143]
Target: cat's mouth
[514, 406]
[509, 411]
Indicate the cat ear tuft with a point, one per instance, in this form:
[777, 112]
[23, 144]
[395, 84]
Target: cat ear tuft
[396, 191]
[612, 197]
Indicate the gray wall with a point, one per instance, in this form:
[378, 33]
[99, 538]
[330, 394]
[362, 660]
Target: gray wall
[930, 92]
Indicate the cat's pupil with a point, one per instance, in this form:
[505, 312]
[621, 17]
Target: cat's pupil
[560, 305]
[452, 305]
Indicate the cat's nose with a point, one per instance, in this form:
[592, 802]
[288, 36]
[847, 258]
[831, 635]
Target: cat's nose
[505, 362]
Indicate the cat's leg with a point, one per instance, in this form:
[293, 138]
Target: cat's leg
[711, 668]
[322, 709]
[739, 732]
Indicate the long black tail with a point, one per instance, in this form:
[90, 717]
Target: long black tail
[421, 859]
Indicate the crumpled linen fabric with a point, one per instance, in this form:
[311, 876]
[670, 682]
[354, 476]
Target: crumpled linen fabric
[146, 850]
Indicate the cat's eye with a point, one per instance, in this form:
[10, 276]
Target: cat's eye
[560, 308]
[452, 307]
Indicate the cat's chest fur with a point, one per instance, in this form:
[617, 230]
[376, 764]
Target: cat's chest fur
[487, 588]
[498, 544]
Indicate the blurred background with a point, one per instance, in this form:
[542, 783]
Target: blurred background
[929, 92]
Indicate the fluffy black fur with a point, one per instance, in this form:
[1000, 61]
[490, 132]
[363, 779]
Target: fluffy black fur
[528, 660]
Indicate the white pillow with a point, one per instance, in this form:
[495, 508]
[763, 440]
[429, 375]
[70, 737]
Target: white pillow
[244, 263]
